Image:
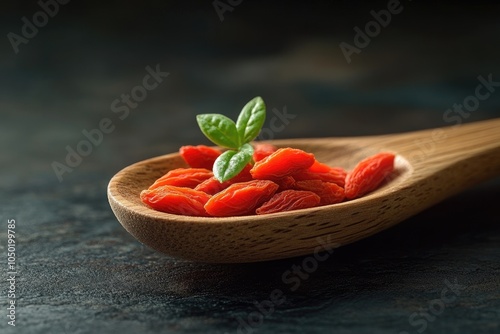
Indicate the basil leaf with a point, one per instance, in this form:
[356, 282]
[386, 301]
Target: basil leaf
[219, 129]
[251, 119]
[231, 163]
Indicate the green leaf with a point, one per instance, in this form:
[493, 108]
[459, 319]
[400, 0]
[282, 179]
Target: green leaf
[220, 129]
[231, 163]
[251, 119]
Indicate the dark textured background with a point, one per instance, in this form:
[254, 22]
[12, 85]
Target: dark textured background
[80, 272]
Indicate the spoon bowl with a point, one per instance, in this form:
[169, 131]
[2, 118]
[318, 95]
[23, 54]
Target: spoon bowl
[430, 166]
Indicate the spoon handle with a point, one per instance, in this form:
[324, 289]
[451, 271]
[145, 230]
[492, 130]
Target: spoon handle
[457, 156]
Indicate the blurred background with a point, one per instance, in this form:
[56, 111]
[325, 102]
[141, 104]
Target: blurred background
[64, 79]
[84, 61]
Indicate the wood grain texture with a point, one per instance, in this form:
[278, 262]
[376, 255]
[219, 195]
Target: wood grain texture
[431, 165]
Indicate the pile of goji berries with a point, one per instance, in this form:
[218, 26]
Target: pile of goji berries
[281, 179]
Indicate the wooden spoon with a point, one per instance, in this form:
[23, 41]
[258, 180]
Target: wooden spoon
[431, 165]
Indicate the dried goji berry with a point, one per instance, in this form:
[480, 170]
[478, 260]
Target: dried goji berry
[330, 193]
[334, 174]
[240, 198]
[282, 179]
[319, 167]
[200, 156]
[288, 200]
[263, 150]
[212, 186]
[244, 175]
[368, 174]
[183, 177]
[285, 183]
[176, 200]
[283, 162]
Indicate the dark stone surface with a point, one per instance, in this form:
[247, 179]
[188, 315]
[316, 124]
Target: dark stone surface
[79, 271]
